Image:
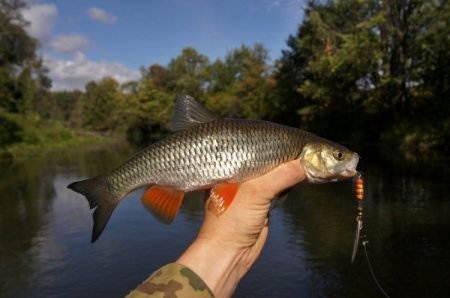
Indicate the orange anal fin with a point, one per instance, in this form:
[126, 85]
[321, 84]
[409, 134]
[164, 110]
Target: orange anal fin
[163, 202]
[221, 197]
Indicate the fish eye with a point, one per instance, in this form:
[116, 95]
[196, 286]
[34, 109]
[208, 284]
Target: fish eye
[338, 155]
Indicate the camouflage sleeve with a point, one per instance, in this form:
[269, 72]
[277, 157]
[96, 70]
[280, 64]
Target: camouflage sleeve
[172, 281]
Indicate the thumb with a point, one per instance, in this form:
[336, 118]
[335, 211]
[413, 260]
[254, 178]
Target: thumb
[282, 177]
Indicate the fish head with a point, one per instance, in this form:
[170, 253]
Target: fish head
[327, 162]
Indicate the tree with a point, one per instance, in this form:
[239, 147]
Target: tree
[7, 88]
[290, 73]
[431, 61]
[147, 112]
[344, 48]
[242, 85]
[100, 105]
[354, 63]
[25, 91]
[22, 74]
[64, 106]
[16, 46]
[186, 73]
[157, 74]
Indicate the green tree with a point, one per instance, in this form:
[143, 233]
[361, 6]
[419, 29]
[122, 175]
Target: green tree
[343, 43]
[186, 73]
[16, 46]
[100, 105]
[355, 63]
[242, 84]
[157, 74]
[291, 72]
[64, 106]
[147, 111]
[25, 92]
[431, 63]
[7, 88]
[22, 74]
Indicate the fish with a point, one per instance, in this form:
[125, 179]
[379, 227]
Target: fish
[206, 152]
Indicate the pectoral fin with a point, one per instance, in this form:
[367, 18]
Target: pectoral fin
[221, 197]
[163, 202]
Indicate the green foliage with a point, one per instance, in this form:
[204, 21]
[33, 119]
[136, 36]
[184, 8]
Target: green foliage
[157, 74]
[415, 138]
[358, 70]
[10, 130]
[358, 63]
[186, 73]
[22, 75]
[146, 112]
[64, 106]
[16, 46]
[20, 134]
[25, 92]
[242, 85]
[100, 105]
[7, 88]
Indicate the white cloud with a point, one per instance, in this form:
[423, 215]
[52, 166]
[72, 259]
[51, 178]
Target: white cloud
[98, 14]
[69, 43]
[75, 73]
[42, 19]
[72, 73]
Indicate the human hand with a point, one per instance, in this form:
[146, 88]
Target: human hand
[228, 245]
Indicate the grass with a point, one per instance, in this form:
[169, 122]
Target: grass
[36, 135]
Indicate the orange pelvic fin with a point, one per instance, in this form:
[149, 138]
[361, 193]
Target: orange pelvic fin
[221, 197]
[163, 202]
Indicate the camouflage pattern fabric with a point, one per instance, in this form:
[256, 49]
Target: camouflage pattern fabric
[172, 281]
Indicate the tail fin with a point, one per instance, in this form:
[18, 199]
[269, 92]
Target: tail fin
[99, 196]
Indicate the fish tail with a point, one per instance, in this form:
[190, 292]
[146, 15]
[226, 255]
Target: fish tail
[99, 196]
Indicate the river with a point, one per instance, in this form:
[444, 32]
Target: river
[45, 230]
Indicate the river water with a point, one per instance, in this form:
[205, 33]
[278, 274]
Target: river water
[45, 230]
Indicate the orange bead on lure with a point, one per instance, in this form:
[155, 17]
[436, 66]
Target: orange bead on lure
[359, 188]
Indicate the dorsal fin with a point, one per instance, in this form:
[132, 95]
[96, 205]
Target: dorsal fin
[189, 113]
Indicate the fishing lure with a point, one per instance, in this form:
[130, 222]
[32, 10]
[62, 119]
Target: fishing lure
[359, 190]
[359, 193]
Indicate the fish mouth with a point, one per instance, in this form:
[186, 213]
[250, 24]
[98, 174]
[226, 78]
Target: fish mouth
[350, 171]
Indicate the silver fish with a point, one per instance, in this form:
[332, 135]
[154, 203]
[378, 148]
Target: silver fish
[209, 152]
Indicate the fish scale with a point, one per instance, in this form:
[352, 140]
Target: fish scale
[222, 150]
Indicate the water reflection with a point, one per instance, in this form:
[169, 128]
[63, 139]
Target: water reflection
[24, 204]
[28, 190]
[45, 232]
[406, 221]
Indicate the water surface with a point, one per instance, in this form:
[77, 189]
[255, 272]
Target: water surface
[45, 230]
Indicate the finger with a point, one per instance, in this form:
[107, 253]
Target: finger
[256, 249]
[279, 179]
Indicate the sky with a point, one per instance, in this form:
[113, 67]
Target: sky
[85, 40]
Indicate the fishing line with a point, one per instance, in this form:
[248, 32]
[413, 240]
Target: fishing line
[371, 270]
[359, 190]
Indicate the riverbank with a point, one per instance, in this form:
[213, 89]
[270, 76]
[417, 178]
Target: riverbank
[23, 150]
[30, 135]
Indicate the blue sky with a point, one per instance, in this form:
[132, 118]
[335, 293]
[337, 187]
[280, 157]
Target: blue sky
[86, 40]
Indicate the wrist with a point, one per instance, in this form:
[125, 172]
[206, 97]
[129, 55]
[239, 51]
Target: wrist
[219, 265]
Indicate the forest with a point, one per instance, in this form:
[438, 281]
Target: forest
[358, 72]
